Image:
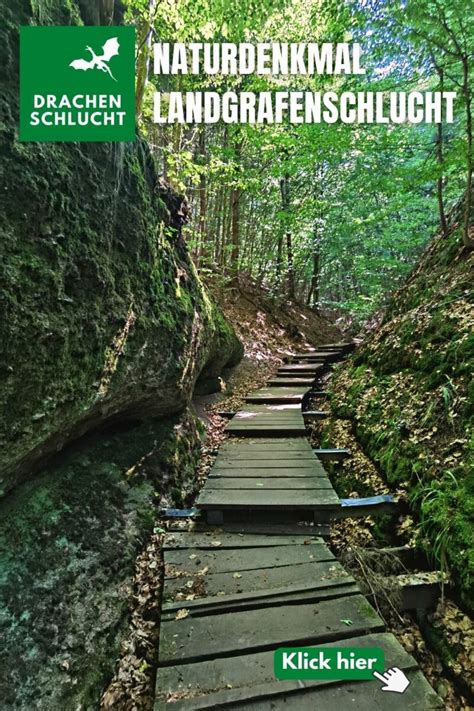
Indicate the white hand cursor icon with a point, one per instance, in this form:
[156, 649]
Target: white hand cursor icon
[394, 680]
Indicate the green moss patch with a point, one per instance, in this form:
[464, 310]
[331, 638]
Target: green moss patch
[408, 391]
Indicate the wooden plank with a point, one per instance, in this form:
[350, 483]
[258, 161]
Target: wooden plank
[272, 456]
[267, 443]
[193, 639]
[274, 398]
[279, 467]
[294, 390]
[277, 417]
[251, 417]
[322, 574]
[299, 374]
[270, 473]
[248, 414]
[262, 428]
[206, 540]
[316, 359]
[207, 684]
[311, 499]
[258, 425]
[332, 455]
[258, 599]
[355, 695]
[269, 463]
[419, 591]
[266, 421]
[238, 559]
[291, 408]
[291, 376]
[267, 483]
[261, 443]
[284, 382]
[304, 368]
[276, 430]
[286, 529]
[300, 529]
[243, 453]
[337, 344]
[315, 415]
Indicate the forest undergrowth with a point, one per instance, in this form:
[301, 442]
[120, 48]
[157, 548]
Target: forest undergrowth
[441, 640]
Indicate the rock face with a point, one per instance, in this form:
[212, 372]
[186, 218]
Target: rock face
[410, 394]
[102, 313]
[104, 324]
[69, 538]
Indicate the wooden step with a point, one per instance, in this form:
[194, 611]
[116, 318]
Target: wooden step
[355, 695]
[267, 472]
[267, 419]
[219, 560]
[316, 355]
[343, 346]
[307, 500]
[199, 638]
[266, 429]
[246, 678]
[256, 600]
[268, 483]
[250, 460]
[300, 368]
[302, 530]
[278, 395]
[212, 539]
[298, 374]
[288, 382]
[200, 584]
[265, 446]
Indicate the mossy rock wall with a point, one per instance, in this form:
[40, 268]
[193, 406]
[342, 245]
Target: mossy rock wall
[104, 324]
[69, 538]
[103, 315]
[410, 394]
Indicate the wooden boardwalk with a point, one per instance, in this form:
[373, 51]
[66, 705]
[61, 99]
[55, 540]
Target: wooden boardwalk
[235, 593]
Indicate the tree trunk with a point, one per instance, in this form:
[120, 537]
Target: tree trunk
[202, 195]
[313, 295]
[440, 159]
[291, 270]
[235, 234]
[144, 35]
[235, 196]
[468, 238]
[285, 201]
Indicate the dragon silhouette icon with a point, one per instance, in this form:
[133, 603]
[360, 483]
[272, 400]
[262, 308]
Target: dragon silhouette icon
[99, 61]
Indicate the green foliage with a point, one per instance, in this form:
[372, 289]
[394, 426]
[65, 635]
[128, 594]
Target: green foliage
[409, 391]
[362, 199]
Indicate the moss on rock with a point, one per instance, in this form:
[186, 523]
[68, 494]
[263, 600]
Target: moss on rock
[68, 543]
[103, 313]
[104, 322]
[409, 392]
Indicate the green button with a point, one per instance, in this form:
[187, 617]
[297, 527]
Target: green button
[328, 663]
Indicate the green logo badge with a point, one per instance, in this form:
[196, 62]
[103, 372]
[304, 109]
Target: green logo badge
[77, 83]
